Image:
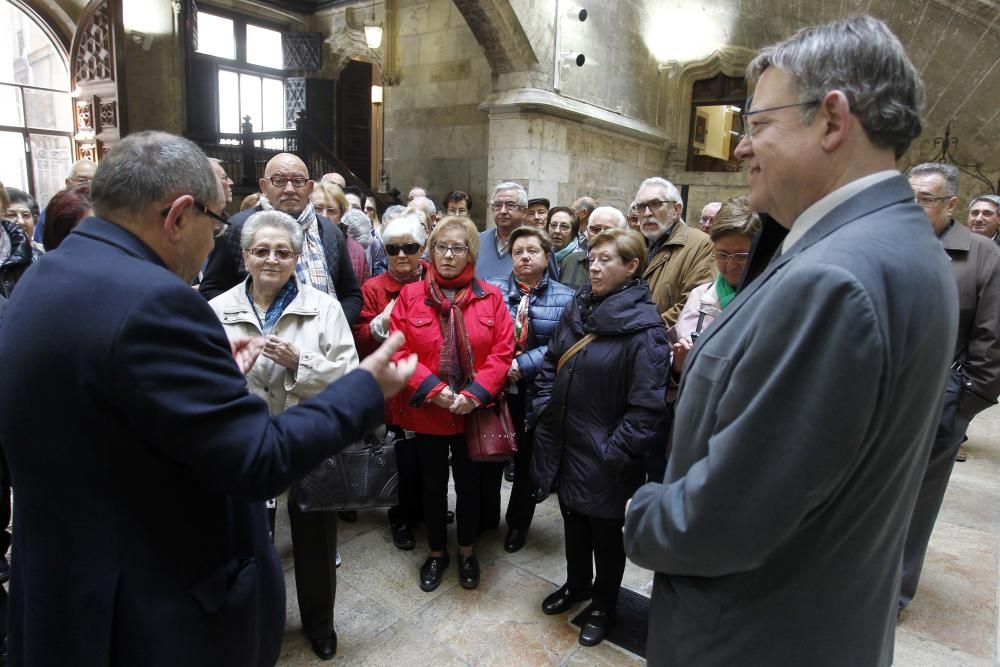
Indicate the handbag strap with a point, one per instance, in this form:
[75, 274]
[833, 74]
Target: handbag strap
[571, 352]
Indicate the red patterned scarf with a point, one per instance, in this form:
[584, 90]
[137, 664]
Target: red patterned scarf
[457, 367]
[521, 318]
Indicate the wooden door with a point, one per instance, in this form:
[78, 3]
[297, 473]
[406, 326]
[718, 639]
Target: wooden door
[354, 119]
[96, 79]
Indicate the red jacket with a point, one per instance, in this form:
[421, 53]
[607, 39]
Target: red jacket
[376, 293]
[491, 333]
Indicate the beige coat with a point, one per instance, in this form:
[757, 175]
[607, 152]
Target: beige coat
[681, 264]
[314, 322]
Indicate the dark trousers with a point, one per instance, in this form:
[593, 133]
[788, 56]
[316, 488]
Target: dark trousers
[408, 510]
[4, 505]
[521, 506]
[472, 481]
[950, 433]
[591, 539]
[314, 553]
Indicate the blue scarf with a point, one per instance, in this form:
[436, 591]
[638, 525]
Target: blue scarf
[277, 307]
[570, 247]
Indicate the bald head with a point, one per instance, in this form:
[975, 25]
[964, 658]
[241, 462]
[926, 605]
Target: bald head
[334, 177]
[583, 207]
[415, 192]
[427, 207]
[286, 184]
[708, 215]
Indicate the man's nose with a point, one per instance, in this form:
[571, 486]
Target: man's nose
[744, 149]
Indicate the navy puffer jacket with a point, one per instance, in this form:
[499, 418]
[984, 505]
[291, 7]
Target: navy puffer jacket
[545, 307]
[603, 411]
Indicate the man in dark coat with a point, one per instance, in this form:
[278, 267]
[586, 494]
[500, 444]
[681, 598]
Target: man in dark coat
[142, 537]
[805, 413]
[325, 262]
[974, 381]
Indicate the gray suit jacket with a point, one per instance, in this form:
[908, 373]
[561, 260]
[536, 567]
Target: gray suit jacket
[802, 428]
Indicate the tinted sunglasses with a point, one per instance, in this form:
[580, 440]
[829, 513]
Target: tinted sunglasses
[409, 248]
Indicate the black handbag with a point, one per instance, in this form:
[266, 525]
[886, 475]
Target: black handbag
[361, 476]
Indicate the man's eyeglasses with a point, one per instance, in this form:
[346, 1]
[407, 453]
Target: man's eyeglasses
[280, 254]
[748, 126]
[393, 249]
[560, 226]
[927, 202]
[501, 205]
[281, 181]
[456, 250]
[739, 258]
[220, 225]
[653, 205]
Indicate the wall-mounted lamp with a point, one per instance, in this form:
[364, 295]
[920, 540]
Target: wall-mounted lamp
[376, 94]
[373, 31]
[142, 39]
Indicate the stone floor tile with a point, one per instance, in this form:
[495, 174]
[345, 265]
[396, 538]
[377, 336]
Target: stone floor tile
[914, 650]
[499, 623]
[603, 655]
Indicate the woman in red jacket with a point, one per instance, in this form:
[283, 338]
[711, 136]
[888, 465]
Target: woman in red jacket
[405, 238]
[463, 337]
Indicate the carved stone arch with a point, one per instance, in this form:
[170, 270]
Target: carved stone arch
[347, 43]
[730, 61]
[96, 79]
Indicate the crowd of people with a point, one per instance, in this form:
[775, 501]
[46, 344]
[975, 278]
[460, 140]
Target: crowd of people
[644, 360]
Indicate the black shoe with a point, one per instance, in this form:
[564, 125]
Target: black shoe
[515, 540]
[4, 570]
[563, 599]
[596, 627]
[325, 648]
[350, 516]
[468, 571]
[432, 571]
[508, 470]
[402, 536]
[449, 517]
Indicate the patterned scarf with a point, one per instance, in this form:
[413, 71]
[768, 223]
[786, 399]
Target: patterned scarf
[725, 292]
[311, 268]
[277, 307]
[457, 367]
[407, 278]
[521, 318]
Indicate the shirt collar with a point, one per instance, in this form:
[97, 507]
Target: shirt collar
[808, 219]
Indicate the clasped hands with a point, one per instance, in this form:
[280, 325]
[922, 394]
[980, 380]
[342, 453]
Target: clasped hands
[459, 404]
[280, 351]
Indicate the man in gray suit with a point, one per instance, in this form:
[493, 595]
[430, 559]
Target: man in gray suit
[806, 411]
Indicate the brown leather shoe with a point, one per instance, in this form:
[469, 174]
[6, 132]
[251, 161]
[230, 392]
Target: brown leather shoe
[963, 454]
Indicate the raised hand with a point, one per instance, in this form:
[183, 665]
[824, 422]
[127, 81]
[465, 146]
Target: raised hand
[245, 352]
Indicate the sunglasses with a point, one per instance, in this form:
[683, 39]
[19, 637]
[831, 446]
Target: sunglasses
[281, 254]
[408, 248]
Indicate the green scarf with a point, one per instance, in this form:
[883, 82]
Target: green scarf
[570, 247]
[725, 292]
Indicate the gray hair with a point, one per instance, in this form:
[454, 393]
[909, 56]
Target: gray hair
[672, 192]
[359, 226]
[993, 199]
[405, 226]
[613, 212]
[148, 168]
[946, 171]
[522, 195]
[861, 58]
[275, 219]
[392, 213]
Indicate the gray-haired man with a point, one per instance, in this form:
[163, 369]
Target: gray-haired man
[508, 203]
[805, 413]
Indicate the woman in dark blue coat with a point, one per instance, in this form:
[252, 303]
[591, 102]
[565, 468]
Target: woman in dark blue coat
[601, 405]
[536, 302]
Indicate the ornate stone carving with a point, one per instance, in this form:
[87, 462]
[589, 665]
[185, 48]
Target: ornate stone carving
[109, 114]
[95, 52]
[84, 116]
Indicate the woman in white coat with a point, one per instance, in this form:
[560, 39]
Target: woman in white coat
[308, 345]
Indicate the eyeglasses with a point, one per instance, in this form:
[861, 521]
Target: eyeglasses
[653, 205]
[219, 227]
[748, 126]
[393, 249]
[560, 226]
[927, 202]
[594, 230]
[501, 205]
[13, 216]
[739, 258]
[456, 250]
[280, 254]
[281, 181]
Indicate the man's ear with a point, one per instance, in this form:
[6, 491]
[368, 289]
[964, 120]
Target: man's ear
[174, 218]
[835, 111]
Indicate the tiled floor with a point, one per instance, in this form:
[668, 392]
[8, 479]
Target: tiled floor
[383, 618]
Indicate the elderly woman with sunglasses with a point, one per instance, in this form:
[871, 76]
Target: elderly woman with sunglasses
[308, 345]
[405, 238]
[463, 337]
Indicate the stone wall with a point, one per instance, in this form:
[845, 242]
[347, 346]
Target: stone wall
[435, 135]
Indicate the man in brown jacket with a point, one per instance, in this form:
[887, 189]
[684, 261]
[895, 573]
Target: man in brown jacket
[974, 383]
[680, 257]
